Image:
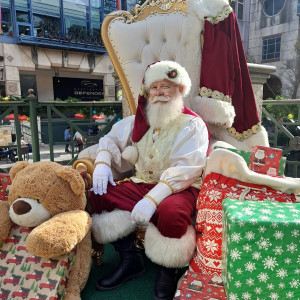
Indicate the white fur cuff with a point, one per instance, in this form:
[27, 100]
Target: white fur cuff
[111, 226]
[214, 111]
[169, 252]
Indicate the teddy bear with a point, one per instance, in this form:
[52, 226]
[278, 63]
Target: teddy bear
[45, 233]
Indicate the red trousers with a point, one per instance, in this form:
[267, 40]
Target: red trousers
[172, 217]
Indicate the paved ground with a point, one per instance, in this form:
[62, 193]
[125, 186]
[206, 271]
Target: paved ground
[59, 156]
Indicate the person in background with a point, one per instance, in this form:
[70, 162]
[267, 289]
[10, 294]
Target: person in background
[7, 152]
[67, 138]
[23, 143]
[78, 138]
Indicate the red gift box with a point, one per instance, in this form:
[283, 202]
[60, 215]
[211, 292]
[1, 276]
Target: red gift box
[265, 160]
[5, 183]
[200, 286]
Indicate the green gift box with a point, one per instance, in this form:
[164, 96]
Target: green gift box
[246, 156]
[261, 250]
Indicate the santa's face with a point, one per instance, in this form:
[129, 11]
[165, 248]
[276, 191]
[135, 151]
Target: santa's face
[260, 154]
[164, 103]
[162, 91]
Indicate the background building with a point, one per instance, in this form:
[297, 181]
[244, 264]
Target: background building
[46, 44]
[274, 39]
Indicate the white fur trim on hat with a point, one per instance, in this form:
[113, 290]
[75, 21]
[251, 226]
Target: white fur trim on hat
[170, 252]
[214, 111]
[206, 8]
[108, 227]
[169, 70]
[233, 165]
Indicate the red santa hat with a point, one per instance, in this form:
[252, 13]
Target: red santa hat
[157, 71]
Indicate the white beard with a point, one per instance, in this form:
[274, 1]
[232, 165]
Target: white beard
[160, 114]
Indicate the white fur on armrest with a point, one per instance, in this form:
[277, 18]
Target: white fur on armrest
[232, 165]
[214, 143]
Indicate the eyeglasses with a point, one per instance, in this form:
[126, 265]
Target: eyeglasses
[163, 88]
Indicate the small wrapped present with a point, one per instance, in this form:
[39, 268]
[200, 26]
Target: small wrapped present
[261, 253]
[5, 183]
[199, 286]
[265, 160]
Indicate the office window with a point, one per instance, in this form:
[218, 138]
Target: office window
[95, 35]
[6, 25]
[298, 8]
[273, 7]
[46, 18]
[75, 14]
[271, 48]
[109, 6]
[238, 7]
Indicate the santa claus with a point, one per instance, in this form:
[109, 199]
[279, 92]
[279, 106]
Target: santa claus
[170, 144]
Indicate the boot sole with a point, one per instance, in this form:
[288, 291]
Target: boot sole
[132, 277]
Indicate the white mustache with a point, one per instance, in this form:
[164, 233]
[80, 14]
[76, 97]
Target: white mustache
[160, 98]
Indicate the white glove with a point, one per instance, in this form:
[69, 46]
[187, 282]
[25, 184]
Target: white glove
[101, 176]
[143, 211]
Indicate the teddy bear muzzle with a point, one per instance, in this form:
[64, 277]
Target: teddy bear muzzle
[28, 212]
[21, 207]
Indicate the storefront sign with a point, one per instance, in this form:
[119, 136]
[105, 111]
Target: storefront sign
[84, 89]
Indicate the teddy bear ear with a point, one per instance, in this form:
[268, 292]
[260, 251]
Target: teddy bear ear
[74, 178]
[17, 167]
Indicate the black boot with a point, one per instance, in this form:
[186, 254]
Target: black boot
[166, 283]
[131, 265]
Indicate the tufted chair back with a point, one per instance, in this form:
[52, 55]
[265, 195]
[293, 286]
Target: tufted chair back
[135, 39]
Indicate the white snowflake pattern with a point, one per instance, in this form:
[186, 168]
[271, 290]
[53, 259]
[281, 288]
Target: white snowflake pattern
[232, 195]
[247, 248]
[295, 233]
[250, 281]
[264, 218]
[281, 285]
[236, 237]
[294, 210]
[246, 296]
[274, 224]
[263, 243]
[250, 266]
[233, 297]
[258, 290]
[266, 211]
[270, 286]
[270, 263]
[256, 255]
[291, 247]
[287, 261]
[239, 271]
[263, 277]
[271, 199]
[278, 250]
[274, 296]
[241, 223]
[253, 221]
[297, 271]
[280, 216]
[211, 245]
[281, 273]
[261, 229]
[290, 295]
[248, 211]
[238, 284]
[251, 198]
[298, 259]
[250, 235]
[278, 235]
[232, 206]
[214, 195]
[295, 283]
[235, 254]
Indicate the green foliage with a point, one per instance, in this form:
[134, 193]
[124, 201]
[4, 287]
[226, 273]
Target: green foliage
[282, 111]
